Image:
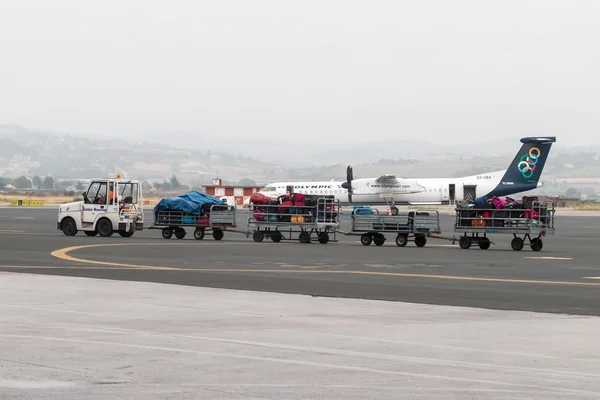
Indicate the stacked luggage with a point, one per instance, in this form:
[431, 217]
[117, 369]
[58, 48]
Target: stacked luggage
[497, 211]
[294, 208]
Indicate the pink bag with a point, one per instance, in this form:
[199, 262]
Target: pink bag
[259, 214]
[498, 202]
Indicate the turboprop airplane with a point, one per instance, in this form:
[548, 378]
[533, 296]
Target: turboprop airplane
[522, 175]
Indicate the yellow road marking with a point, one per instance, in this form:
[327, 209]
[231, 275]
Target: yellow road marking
[62, 254]
[549, 258]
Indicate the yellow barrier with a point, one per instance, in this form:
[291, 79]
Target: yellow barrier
[27, 203]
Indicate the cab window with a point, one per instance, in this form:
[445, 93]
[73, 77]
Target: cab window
[128, 193]
[96, 193]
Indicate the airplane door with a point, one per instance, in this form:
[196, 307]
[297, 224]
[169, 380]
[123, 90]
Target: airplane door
[469, 192]
[451, 192]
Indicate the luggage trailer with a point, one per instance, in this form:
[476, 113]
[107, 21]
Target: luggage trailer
[271, 221]
[413, 226]
[219, 219]
[527, 225]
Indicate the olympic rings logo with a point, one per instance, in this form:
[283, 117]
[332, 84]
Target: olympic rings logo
[528, 162]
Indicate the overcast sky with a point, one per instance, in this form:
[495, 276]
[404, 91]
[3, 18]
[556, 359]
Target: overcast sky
[304, 70]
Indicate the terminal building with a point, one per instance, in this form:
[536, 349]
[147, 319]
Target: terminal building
[235, 194]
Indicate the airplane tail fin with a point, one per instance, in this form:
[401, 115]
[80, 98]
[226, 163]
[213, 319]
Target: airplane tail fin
[526, 168]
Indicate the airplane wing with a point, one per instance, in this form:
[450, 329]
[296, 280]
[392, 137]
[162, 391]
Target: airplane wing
[387, 179]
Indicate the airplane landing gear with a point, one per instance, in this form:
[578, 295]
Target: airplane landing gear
[393, 209]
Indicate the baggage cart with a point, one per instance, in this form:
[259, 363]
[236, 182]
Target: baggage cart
[219, 219]
[413, 225]
[528, 224]
[302, 222]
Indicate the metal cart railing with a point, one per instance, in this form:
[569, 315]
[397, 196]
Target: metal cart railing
[285, 222]
[413, 225]
[526, 224]
[218, 219]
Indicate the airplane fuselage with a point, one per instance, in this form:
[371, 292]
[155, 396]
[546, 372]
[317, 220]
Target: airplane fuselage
[522, 175]
[407, 191]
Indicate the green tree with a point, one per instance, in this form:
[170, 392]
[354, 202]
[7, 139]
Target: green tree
[37, 182]
[175, 183]
[48, 183]
[247, 182]
[571, 192]
[22, 183]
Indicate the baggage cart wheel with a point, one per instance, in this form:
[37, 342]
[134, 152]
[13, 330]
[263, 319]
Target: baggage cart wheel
[91, 233]
[69, 227]
[125, 234]
[199, 234]
[420, 240]
[324, 238]
[180, 233]
[517, 244]
[104, 227]
[366, 239]
[218, 234]
[379, 239]
[401, 240]
[167, 233]
[536, 244]
[464, 242]
[484, 243]
[304, 237]
[258, 236]
[277, 237]
[394, 210]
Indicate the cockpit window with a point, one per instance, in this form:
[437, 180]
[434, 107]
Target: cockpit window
[268, 189]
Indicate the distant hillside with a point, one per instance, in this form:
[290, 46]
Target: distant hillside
[70, 156]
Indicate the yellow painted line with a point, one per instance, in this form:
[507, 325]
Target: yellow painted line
[591, 277]
[11, 231]
[62, 254]
[549, 258]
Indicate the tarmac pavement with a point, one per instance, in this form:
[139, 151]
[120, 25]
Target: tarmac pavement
[160, 320]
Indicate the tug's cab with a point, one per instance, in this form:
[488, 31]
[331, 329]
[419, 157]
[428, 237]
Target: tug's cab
[108, 206]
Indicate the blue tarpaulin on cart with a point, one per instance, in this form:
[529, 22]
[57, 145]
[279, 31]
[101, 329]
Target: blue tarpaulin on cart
[189, 203]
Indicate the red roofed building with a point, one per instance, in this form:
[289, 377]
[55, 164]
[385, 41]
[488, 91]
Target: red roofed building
[239, 192]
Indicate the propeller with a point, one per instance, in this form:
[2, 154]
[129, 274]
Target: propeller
[348, 184]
